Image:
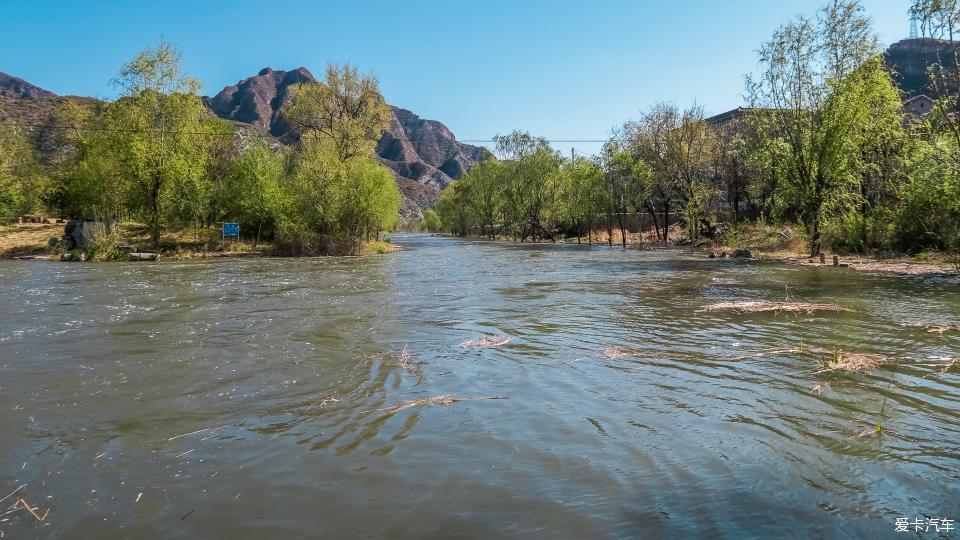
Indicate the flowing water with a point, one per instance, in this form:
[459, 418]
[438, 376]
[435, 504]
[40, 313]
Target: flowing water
[252, 398]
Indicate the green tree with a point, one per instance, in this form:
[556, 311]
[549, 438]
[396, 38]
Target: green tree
[255, 196]
[24, 186]
[803, 67]
[346, 109]
[586, 198]
[146, 153]
[431, 221]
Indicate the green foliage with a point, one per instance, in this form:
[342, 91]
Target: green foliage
[157, 156]
[254, 193]
[431, 221]
[24, 186]
[336, 203]
[346, 109]
[105, 247]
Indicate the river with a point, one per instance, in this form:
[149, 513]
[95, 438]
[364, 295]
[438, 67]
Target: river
[252, 398]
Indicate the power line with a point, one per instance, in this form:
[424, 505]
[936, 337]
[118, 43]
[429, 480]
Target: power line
[215, 134]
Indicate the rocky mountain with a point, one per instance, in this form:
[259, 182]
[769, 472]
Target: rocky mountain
[17, 88]
[423, 154]
[910, 59]
[257, 100]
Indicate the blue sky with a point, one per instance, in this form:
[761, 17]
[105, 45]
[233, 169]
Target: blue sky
[562, 70]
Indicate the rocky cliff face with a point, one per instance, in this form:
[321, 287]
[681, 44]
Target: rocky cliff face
[910, 60]
[423, 154]
[257, 100]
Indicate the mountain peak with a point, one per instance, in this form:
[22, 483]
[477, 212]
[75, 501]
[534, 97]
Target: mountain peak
[15, 87]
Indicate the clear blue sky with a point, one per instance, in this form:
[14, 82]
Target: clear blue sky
[562, 70]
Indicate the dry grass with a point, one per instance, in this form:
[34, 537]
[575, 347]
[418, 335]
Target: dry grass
[933, 328]
[27, 238]
[820, 387]
[405, 360]
[763, 306]
[847, 362]
[439, 400]
[615, 353]
[494, 341]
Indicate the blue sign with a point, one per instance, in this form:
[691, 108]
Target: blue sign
[231, 230]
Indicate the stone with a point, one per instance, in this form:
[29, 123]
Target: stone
[144, 256]
[743, 254]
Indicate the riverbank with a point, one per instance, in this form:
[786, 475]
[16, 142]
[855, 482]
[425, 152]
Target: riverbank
[39, 241]
[768, 245]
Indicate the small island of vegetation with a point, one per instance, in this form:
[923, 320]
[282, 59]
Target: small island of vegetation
[155, 166]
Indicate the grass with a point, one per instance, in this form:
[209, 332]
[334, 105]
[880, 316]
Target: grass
[377, 247]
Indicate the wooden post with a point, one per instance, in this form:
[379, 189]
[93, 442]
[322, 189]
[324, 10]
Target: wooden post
[823, 258]
[836, 261]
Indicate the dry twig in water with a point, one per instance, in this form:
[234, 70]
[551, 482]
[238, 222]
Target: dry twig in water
[439, 400]
[407, 361]
[761, 306]
[494, 341]
[26, 505]
[12, 493]
[950, 364]
[194, 432]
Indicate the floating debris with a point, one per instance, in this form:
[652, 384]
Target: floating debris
[950, 363]
[494, 341]
[820, 387]
[933, 328]
[854, 362]
[439, 400]
[12, 493]
[760, 306]
[26, 505]
[615, 353]
[139, 496]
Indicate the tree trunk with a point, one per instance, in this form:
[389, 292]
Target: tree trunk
[623, 230]
[610, 229]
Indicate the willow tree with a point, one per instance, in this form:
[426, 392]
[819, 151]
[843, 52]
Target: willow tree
[802, 68]
[346, 108]
[533, 185]
[586, 197]
[146, 153]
